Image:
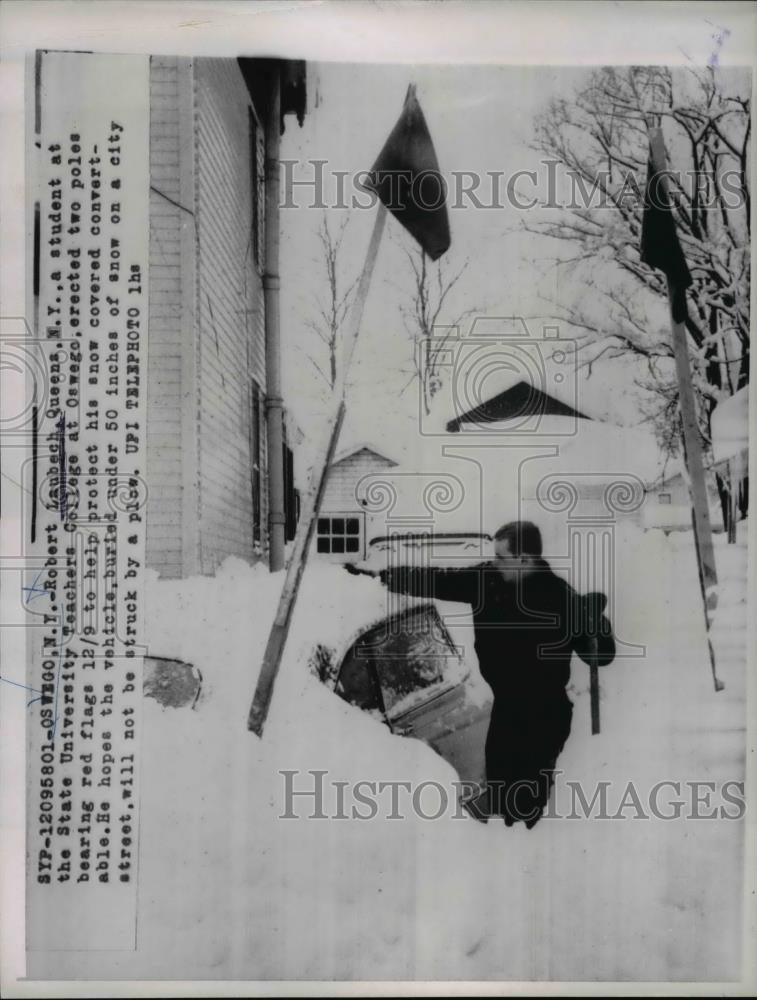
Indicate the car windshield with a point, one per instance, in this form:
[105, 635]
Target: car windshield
[403, 654]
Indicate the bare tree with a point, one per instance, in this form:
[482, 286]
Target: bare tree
[599, 136]
[332, 306]
[422, 313]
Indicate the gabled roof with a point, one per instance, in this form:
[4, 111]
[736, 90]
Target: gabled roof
[520, 400]
[354, 449]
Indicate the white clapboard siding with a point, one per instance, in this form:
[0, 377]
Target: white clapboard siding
[164, 442]
[231, 336]
[344, 476]
[207, 335]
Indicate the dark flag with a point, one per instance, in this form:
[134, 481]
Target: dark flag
[659, 241]
[406, 178]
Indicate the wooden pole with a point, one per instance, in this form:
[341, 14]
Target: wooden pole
[280, 628]
[692, 444]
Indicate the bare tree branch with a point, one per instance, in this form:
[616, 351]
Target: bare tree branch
[330, 312]
[422, 311]
[599, 136]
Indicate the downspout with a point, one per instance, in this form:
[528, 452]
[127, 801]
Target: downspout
[271, 285]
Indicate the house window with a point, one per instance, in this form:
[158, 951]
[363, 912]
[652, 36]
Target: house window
[340, 535]
[664, 498]
[257, 166]
[291, 504]
[255, 436]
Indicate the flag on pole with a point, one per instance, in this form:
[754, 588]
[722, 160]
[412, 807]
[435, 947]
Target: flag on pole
[660, 247]
[408, 182]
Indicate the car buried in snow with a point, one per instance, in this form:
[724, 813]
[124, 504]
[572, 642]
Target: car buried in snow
[414, 667]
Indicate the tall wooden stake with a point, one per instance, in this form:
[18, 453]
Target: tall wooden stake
[692, 445]
[280, 628]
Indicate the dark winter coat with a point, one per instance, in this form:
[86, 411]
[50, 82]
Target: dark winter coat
[524, 634]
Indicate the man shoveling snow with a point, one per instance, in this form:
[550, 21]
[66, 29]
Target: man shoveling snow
[527, 623]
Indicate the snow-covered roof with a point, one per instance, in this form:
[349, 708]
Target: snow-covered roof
[353, 449]
[580, 445]
[461, 487]
[614, 449]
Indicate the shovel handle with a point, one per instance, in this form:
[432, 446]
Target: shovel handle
[594, 684]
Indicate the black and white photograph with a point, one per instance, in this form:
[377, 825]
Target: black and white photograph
[375, 499]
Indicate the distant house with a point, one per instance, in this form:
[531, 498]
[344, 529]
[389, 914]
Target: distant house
[341, 525]
[672, 491]
[727, 479]
[730, 446]
[668, 505]
[208, 460]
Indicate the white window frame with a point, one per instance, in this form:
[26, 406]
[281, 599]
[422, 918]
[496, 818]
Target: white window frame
[330, 515]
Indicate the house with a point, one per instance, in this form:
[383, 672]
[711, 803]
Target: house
[668, 504]
[219, 464]
[341, 529]
[730, 446]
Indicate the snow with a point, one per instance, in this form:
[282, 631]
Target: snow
[235, 892]
[464, 482]
[730, 426]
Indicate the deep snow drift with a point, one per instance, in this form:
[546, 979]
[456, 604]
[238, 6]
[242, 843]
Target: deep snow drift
[228, 890]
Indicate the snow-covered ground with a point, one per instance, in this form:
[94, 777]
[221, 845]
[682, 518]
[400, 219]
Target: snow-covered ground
[229, 890]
